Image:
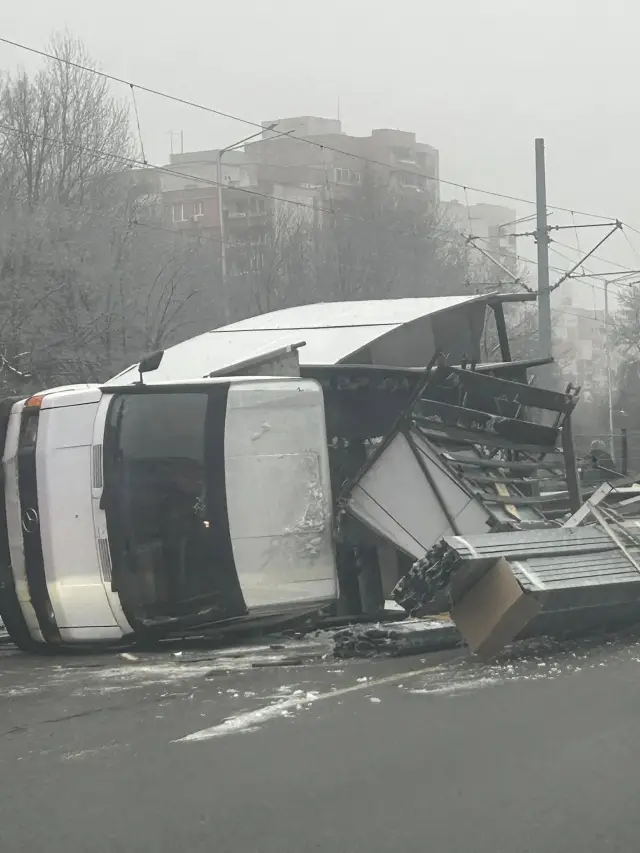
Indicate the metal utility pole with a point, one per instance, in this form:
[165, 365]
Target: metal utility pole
[542, 240]
[223, 243]
[607, 349]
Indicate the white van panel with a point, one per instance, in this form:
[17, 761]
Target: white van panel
[100, 516]
[63, 457]
[279, 493]
[70, 395]
[14, 522]
[300, 507]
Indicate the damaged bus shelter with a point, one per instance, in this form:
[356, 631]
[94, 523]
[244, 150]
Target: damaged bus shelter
[427, 443]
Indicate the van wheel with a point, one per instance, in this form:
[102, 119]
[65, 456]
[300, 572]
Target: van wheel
[29, 645]
[20, 636]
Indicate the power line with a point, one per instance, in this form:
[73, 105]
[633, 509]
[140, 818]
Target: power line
[181, 234]
[589, 274]
[631, 246]
[596, 257]
[557, 269]
[560, 270]
[308, 141]
[581, 280]
[631, 228]
[131, 161]
[522, 258]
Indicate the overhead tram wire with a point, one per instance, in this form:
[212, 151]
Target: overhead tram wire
[221, 113]
[131, 161]
[560, 270]
[594, 256]
[186, 234]
[224, 114]
[625, 272]
[580, 255]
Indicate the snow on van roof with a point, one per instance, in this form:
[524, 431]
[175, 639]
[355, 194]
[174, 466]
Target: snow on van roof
[332, 332]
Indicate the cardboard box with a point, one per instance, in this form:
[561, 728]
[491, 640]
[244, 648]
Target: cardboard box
[494, 610]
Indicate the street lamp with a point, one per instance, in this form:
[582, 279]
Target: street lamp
[607, 350]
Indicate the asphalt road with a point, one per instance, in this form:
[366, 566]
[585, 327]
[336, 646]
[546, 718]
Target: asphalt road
[532, 754]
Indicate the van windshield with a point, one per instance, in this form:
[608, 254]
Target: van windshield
[165, 503]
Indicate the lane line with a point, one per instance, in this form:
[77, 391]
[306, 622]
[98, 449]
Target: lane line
[249, 719]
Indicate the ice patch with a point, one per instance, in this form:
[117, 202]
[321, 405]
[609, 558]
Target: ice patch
[249, 720]
[458, 686]
[19, 691]
[86, 753]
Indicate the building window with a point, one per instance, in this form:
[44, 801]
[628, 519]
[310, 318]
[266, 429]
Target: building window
[346, 176]
[198, 210]
[178, 213]
[410, 179]
[403, 154]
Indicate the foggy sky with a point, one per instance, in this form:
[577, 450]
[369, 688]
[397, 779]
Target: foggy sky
[477, 79]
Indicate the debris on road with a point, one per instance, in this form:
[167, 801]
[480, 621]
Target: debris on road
[555, 579]
[435, 479]
[415, 636]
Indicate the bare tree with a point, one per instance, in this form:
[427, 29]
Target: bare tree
[273, 267]
[384, 243]
[626, 332]
[63, 132]
[89, 276]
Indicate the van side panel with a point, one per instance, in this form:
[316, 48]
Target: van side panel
[14, 523]
[279, 494]
[63, 459]
[100, 517]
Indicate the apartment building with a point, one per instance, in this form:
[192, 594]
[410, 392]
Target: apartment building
[580, 343]
[337, 161]
[493, 224]
[315, 164]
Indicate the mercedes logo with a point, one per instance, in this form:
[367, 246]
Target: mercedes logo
[30, 520]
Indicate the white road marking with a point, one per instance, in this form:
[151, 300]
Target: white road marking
[459, 686]
[249, 719]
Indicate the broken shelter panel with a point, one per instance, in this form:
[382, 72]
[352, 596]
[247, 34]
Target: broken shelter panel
[456, 330]
[408, 497]
[333, 332]
[472, 466]
[279, 495]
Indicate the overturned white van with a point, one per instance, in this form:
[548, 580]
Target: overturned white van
[151, 509]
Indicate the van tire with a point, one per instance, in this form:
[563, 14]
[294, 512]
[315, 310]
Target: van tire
[20, 636]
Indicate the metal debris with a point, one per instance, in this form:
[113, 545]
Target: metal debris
[396, 639]
[552, 580]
